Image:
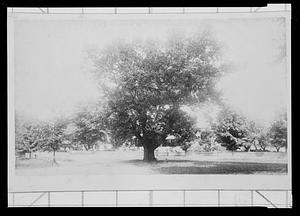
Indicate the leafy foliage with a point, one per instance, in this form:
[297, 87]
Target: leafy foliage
[207, 140]
[146, 85]
[278, 133]
[28, 138]
[52, 137]
[90, 127]
[257, 136]
[231, 129]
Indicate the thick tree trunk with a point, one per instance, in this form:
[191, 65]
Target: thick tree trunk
[149, 142]
[149, 154]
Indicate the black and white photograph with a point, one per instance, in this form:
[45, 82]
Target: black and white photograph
[114, 96]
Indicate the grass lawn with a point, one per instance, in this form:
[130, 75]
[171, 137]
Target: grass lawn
[119, 162]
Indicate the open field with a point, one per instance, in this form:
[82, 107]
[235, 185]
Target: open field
[119, 162]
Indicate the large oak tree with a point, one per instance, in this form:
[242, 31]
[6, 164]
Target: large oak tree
[146, 84]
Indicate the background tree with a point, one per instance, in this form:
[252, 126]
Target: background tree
[263, 141]
[278, 133]
[89, 127]
[257, 136]
[53, 136]
[69, 137]
[252, 135]
[146, 84]
[207, 139]
[28, 138]
[231, 129]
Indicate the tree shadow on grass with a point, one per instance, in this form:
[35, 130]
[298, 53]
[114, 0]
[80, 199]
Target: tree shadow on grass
[211, 167]
[138, 161]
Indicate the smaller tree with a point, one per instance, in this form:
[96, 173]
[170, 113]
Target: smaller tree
[278, 134]
[262, 141]
[28, 137]
[257, 136]
[68, 137]
[207, 139]
[231, 129]
[89, 128]
[53, 136]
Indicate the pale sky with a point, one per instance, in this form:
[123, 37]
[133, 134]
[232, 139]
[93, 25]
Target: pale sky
[51, 73]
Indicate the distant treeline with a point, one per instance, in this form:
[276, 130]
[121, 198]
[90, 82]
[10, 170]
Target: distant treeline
[230, 131]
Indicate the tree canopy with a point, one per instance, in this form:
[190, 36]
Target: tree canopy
[90, 126]
[146, 84]
[231, 129]
[278, 133]
[28, 137]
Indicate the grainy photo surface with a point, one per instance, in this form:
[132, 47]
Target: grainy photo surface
[149, 109]
[150, 96]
